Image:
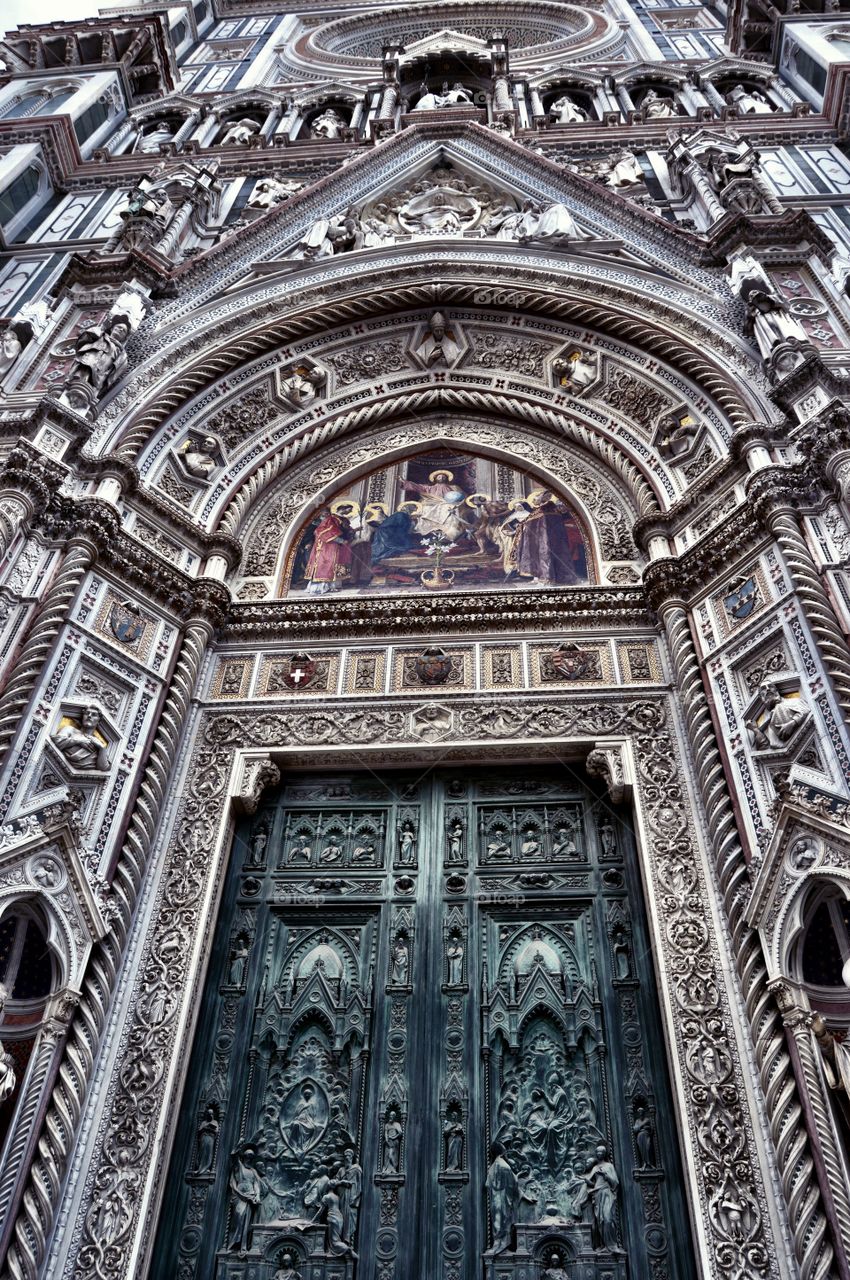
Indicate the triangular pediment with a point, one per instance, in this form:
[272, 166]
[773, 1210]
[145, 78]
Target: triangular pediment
[490, 163]
[445, 41]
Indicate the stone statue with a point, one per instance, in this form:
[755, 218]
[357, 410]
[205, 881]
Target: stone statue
[453, 1134]
[329, 125]
[149, 143]
[656, 106]
[207, 1135]
[675, 435]
[454, 955]
[771, 320]
[259, 840]
[577, 370]
[302, 385]
[438, 346]
[565, 111]
[10, 348]
[247, 1189]
[803, 856]
[269, 192]
[8, 1078]
[80, 742]
[393, 1130]
[99, 356]
[502, 1194]
[620, 948]
[400, 961]
[454, 853]
[199, 458]
[603, 1182]
[286, 1270]
[624, 170]
[240, 134]
[455, 96]
[782, 719]
[748, 101]
[335, 1243]
[644, 1139]
[326, 237]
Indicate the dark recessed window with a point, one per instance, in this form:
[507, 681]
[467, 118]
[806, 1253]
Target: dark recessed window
[18, 194]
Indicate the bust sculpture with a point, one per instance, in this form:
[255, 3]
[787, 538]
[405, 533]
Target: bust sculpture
[80, 742]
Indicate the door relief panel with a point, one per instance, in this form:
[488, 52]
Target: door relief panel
[430, 1046]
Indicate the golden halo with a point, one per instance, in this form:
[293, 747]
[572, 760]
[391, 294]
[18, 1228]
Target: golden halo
[515, 502]
[537, 493]
[470, 503]
[432, 479]
[371, 507]
[345, 502]
[409, 505]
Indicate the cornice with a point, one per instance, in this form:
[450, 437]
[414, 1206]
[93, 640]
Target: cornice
[685, 576]
[371, 617]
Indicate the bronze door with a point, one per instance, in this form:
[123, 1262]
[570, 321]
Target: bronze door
[429, 1045]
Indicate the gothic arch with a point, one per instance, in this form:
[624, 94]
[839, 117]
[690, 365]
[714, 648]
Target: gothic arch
[279, 511]
[372, 284]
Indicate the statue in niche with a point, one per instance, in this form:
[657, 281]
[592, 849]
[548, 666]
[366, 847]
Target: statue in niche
[748, 102]
[803, 856]
[676, 435]
[10, 348]
[247, 1191]
[453, 1137]
[200, 456]
[438, 346]
[239, 961]
[656, 106]
[286, 1270]
[407, 844]
[240, 134]
[502, 1194]
[608, 838]
[326, 237]
[207, 1137]
[301, 851]
[332, 852]
[622, 953]
[99, 356]
[81, 743]
[577, 370]
[302, 385]
[565, 111]
[644, 1139]
[781, 720]
[564, 842]
[454, 852]
[257, 852]
[555, 1271]
[454, 955]
[329, 125]
[400, 969]
[603, 1183]
[350, 1182]
[393, 1131]
[455, 96]
[149, 143]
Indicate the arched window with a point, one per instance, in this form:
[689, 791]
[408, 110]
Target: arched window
[23, 107]
[28, 972]
[822, 957]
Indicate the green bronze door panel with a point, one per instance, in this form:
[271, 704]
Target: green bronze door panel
[429, 1045]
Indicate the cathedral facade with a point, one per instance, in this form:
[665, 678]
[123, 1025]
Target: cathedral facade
[424, 617]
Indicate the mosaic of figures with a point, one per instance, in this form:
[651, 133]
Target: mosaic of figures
[438, 521]
[381, 1062]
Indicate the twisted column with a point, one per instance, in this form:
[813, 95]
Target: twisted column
[15, 510]
[784, 526]
[44, 629]
[809, 1224]
[35, 1213]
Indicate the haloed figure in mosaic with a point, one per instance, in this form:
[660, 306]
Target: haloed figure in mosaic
[438, 520]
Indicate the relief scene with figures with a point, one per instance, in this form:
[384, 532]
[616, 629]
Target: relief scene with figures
[440, 520]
